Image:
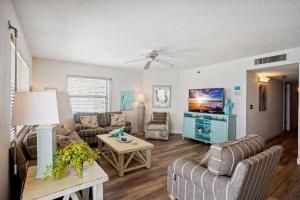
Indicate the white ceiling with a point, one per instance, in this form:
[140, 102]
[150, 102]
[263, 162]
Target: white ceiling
[187, 33]
[288, 73]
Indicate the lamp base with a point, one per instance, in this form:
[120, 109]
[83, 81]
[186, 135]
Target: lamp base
[46, 149]
[141, 117]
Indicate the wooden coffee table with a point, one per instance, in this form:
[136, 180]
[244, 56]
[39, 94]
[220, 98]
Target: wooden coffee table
[120, 155]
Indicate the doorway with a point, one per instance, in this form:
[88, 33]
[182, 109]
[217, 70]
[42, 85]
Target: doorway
[272, 100]
[291, 107]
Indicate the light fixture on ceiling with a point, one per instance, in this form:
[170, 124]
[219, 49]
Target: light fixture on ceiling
[263, 79]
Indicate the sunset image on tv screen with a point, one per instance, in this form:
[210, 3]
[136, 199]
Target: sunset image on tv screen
[210, 99]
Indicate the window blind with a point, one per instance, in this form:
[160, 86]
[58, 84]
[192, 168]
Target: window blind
[89, 94]
[22, 82]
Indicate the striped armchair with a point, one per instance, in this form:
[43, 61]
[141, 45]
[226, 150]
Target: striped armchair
[232, 170]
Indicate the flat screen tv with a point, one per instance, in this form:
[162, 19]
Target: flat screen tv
[206, 100]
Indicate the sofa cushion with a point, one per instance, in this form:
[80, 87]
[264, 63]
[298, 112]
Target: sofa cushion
[159, 117]
[117, 119]
[79, 114]
[157, 127]
[225, 156]
[89, 121]
[79, 127]
[63, 141]
[104, 119]
[61, 130]
[204, 160]
[92, 132]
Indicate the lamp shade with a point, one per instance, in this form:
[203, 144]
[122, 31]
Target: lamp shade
[141, 98]
[41, 108]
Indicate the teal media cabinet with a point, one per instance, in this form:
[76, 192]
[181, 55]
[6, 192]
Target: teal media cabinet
[209, 128]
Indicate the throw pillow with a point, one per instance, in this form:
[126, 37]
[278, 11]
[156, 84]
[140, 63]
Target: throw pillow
[159, 116]
[61, 130]
[63, 141]
[30, 144]
[118, 120]
[225, 156]
[89, 121]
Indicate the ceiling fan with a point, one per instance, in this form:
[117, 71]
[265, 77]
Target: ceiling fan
[151, 57]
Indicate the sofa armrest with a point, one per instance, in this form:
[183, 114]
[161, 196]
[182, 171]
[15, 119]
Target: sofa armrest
[191, 171]
[187, 169]
[168, 122]
[79, 127]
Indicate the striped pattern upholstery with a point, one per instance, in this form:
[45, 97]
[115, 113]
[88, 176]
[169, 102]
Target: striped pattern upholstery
[92, 132]
[259, 170]
[104, 123]
[89, 135]
[225, 156]
[188, 180]
[22, 155]
[30, 144]
[104, 119]
[79, 127]
[159, 117]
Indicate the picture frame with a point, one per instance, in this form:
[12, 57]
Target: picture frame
[262, 97]
[126, 100]
[161, 96]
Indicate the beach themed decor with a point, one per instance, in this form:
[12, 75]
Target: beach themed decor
[262, 97]
[126, 100]
[161, 96]
[228, 107]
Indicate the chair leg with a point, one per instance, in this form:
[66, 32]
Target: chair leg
[172, 197]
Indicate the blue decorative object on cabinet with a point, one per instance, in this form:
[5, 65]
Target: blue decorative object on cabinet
[228, 107]
[209, 128]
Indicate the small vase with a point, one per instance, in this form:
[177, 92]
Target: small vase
[72, 171]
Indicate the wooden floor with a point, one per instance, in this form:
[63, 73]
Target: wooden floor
[151, 183]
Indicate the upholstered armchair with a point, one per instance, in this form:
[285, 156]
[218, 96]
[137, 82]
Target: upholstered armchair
[158, 126]
[239, 170]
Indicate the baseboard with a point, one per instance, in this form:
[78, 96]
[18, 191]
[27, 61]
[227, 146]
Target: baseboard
[175, 132]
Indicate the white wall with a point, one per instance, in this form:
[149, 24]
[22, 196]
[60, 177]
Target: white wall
[228, 75]
[269, 123]
[151, 78]
[51, 73]
[7, 12]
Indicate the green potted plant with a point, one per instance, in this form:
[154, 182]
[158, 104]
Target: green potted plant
[73, 157]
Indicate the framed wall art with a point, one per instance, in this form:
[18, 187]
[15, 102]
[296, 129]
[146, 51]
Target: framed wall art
[161, 96]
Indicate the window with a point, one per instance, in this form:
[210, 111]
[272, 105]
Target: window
[89, 94]
[22, 82]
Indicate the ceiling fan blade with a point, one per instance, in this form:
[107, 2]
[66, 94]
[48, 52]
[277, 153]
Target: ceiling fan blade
[147, 65]
[130, 61]
[165, 62]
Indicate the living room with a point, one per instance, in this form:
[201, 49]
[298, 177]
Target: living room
[137, 50]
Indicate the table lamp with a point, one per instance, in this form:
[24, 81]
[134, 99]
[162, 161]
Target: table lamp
[45, 109]
[141, 113]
